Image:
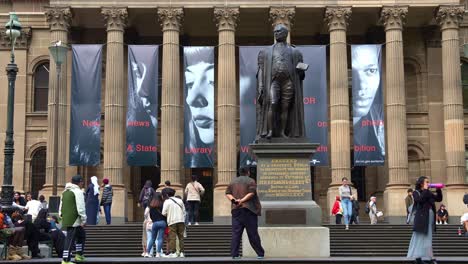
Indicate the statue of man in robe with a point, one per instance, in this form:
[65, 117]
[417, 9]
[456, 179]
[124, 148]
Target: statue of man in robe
[280, 107]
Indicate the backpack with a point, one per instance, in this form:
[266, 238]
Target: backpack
[147, 195]
[367, 209]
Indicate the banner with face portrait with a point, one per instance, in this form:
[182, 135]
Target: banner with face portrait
[85, 119]
[247, 94]
[142, 111]
[315, 101]
[199, 79]
[368, 110]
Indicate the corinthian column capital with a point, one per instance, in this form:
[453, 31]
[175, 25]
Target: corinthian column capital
[282, 15]
[393, 17]
[115, 17]
[450, 16]
[171, 18]
[59, 18]
[226, 18]
[337, 18]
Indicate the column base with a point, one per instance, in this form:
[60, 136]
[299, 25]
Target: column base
[119, 208]
[453, 200]
[221, 206]
[47, 191]
[394, 204]
[291, 242]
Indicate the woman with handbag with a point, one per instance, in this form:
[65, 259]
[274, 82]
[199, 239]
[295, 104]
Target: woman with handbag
[424, 221]
[193, 191]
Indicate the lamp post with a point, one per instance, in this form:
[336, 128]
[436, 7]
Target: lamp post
[59, 54]
[13, 30]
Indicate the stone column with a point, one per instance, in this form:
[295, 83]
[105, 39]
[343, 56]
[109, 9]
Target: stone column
[449, 19]
[393, 19]
[59, 19]
[283, 15]
[115, 101]
[171, 106]
[226, 20]
[337, 19]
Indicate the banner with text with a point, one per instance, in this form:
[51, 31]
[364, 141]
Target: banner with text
[142, 111]
[199, 79]
[315, 101]
[85, 119]
[247, 89]
[368, 111]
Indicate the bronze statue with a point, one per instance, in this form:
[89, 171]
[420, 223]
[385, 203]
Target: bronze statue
[280, 107]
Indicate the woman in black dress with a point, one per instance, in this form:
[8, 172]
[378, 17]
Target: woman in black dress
[92, 202]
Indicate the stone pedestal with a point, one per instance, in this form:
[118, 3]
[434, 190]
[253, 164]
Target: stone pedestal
[291, 242]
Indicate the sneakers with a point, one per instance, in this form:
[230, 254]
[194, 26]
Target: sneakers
[196, 223]
[67, 262]
[157, 255]
[172, 255]
[189, 223]
[181, 255]
[260, 257]
[143, 254]
[236, 257]
[347, 227]
[80, 258]
[445, 223]
[147, 255]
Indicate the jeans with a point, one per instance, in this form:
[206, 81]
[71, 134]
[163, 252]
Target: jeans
[347, 209]
[148, 240]
[242, 219]
[193, 208]
[107, 212]
[157, 231]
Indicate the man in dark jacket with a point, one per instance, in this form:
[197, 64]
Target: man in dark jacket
[106, 200]
[245, 209]
[355, 214]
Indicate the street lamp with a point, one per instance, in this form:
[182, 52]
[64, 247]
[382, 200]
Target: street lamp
[13, 31]
[59, 54]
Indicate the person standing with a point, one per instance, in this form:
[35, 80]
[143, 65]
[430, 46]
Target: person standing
[92, 202]
[245, 209]
[193, 191]
[146, 195]
[424, 221]
[409, 205]
[44, 204]
[19, 201]
[337, 210]
[174, 211]
[33, 207]
[158, 226]
[373, 210]
[73, 213]
[345, 195]
[106, 200]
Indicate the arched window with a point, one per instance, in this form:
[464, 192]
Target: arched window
[41, 87]
[38, 170]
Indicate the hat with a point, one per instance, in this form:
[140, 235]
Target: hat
[105, 181]
[77, 179]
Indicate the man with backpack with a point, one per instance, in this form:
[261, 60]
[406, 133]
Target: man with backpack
[146, 195]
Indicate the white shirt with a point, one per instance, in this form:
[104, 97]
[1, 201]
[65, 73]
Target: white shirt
[174, 210]
[464, 218]
[33, 206]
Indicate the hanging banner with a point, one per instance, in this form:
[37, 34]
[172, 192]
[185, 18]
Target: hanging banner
[315, 101]
[142, 111]
[199, 82]
[247, 93]
[368, 113]
[85, 120]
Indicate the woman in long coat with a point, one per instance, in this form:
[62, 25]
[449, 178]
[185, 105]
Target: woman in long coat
[424, 221]
[92, 202]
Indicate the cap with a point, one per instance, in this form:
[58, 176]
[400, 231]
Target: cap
[77, 179]
[105, 181]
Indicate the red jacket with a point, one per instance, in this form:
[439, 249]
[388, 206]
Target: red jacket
[336, 208]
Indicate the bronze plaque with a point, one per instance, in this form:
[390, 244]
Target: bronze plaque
[286, 217]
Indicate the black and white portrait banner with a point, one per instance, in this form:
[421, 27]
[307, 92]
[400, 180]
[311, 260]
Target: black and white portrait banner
[85, 120]
[142, 111]
[368, 111]
[199, 79]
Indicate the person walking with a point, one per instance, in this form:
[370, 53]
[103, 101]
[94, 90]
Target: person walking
[424, 221]
[146, 236]
[146, 195]
[92, 202]
[373, 210]
[355, 214]
[174, 211]
[337, 210]
[245, 209]
[345, 195]
[158, 226]
[73, 213]
[193, 191]
[409, 205]
[106, 200]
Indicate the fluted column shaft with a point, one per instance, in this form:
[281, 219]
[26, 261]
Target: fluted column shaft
[115, 95]
[337, 18]
[59, 19]
[449, 18]
[171, 107]
[393, 19]
[226, 19]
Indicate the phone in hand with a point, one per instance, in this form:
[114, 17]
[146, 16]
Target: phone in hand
[233, 201]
